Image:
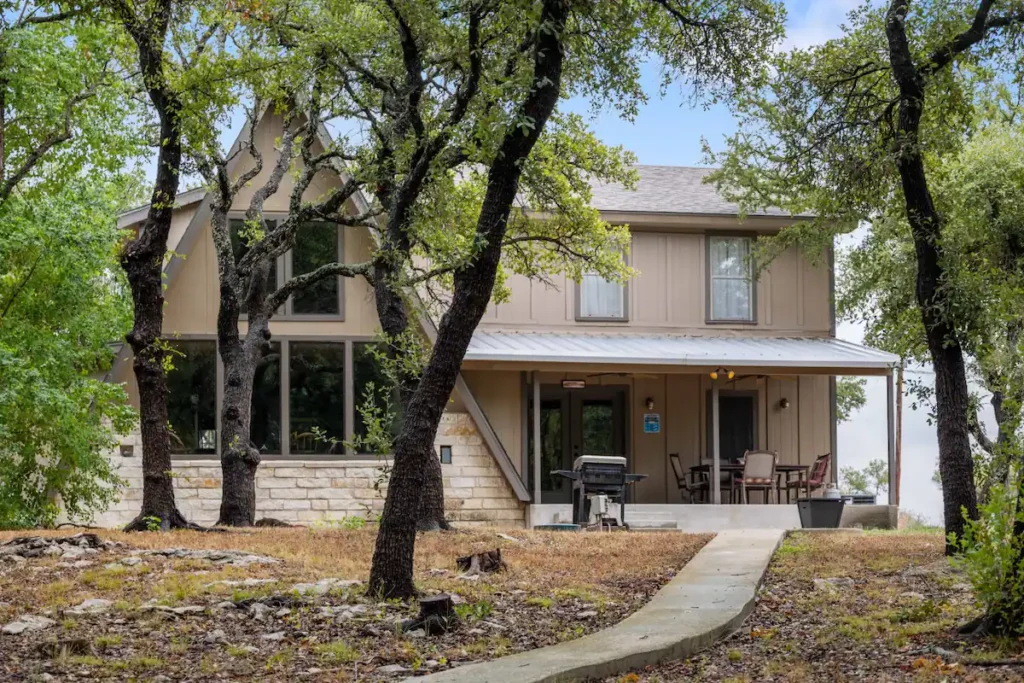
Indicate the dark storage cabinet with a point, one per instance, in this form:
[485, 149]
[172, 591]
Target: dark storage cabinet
[820, 513]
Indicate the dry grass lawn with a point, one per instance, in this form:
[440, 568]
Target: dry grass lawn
[558, 586]
[891, 614]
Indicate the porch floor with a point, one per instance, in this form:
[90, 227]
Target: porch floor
[715, 518]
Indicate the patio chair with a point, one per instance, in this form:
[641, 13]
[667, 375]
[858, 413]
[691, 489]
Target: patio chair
[692, 489]
[758, 475]
[816, 478]
[724, 478]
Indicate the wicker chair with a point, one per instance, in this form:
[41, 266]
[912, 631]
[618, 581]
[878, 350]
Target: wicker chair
[758, 475]
[816, 478]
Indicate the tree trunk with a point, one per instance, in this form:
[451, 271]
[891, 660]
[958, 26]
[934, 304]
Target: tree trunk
[956, 465]
[239, 459]
[431, 513]
[392, 572]
[394, 321]
[142, 260]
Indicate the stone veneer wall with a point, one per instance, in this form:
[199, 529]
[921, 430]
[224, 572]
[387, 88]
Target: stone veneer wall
[310, 491]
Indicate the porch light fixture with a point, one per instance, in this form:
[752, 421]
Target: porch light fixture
[784, 403]
[729, 374]
[649, 403]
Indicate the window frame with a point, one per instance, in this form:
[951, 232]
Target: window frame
[285, 391]
[218, 389]
[709, 281]
[284, 273]
[578, 302]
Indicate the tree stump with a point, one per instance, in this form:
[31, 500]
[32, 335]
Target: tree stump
[482, 563]
[437, 615]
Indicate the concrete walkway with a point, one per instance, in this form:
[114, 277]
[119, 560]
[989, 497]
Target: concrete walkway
[709, 598]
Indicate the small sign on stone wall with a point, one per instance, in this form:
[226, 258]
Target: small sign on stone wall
[652, 423]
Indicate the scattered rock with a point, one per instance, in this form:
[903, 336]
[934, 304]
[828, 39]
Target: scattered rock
[216, 636]
[343, 611]
[13, 559]
[91, 606]
[72, 553]
[259, 611]
[586, 614]
[418, 633]
[82, 564]
[436, 572]
[476, 631]
[38, 546]
[323, 586]
[912, 595]
[509, 538]
[832, 583]
[28, 623]
[283, 612]
[243, 583]
[430, 664]
[393, 669]
[227, 604]
[160, 678]
[234, 558]
[273, 637]
[131, 561]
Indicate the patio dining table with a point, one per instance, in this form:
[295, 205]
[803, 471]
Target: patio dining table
[780, 472]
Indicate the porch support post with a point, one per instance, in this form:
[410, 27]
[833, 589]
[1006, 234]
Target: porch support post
[890, 409]
[716, 479]
[536, 438]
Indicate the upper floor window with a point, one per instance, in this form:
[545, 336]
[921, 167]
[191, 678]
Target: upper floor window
[601, 299]
[731, 279]
[316, 245]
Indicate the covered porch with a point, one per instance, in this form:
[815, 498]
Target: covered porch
[700, 401]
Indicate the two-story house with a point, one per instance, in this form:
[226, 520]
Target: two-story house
[644, 370]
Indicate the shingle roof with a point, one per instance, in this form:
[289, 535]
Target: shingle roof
[670, 189]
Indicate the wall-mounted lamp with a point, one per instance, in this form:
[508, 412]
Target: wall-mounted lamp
[783, 404]
[649, 403]
[127, 450]
[728, 374]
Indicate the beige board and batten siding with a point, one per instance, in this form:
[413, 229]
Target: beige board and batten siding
[670, 294]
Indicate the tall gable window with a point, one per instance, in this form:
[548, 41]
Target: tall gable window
[316, 245]
[599, 299]
[731, 282]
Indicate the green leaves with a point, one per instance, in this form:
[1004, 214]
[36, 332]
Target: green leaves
[62, 304]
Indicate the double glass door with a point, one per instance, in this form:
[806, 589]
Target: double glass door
[575, 422]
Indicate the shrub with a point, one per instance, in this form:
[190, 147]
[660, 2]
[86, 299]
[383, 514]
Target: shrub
[992, 556]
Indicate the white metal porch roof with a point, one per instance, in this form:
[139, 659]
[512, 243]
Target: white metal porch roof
[702, 351]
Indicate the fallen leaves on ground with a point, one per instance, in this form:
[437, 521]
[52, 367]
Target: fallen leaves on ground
[842, 607]
[188, 606]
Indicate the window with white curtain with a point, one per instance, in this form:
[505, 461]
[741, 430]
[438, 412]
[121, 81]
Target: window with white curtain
[601, 299]
[731, 279]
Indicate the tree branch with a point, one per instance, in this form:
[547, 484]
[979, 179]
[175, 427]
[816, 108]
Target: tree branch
[300, 282]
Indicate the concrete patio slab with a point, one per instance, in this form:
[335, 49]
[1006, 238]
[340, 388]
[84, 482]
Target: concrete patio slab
[709, 598]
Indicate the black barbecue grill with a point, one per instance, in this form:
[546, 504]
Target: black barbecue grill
[594, 475]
